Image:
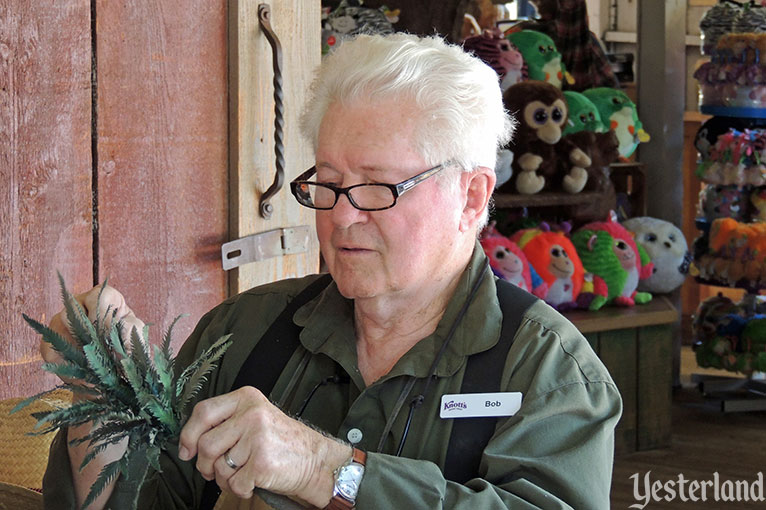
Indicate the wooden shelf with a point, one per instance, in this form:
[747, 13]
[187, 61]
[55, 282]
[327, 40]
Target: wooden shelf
[658, 311]
[509, 200]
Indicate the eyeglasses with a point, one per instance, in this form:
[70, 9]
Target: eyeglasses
[365, 197]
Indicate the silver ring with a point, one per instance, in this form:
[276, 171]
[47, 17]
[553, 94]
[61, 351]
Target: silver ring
[229, 462]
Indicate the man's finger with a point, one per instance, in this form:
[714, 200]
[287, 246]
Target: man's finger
[213, 445]
[205, 415]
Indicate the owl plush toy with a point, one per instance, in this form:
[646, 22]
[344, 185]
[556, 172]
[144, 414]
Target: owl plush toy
[541, 57]
[509, 263]
[619, 114]
[583, 114]
[554, 258]
[614, 264]
[666, 246]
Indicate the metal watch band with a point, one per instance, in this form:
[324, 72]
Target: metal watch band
[338, 502]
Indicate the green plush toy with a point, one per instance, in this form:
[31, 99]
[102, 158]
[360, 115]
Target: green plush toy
[541, 56]
[583, 114]
[614, 262]
[619, 114]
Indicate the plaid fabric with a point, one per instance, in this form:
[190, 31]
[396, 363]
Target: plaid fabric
[567, 25]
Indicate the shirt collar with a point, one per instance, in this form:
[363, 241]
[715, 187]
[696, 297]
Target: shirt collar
[328, 326]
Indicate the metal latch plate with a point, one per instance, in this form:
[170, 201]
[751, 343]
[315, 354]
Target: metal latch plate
[265, 245]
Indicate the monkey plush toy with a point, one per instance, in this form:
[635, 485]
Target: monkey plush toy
[542, 160]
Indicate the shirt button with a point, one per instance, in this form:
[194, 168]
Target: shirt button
[354, 436]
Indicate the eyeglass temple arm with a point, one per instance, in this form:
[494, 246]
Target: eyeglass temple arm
[411, 183]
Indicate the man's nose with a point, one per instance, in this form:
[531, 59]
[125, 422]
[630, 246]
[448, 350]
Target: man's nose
[344, 213]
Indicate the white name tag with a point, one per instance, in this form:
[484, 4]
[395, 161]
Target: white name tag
[474, 405]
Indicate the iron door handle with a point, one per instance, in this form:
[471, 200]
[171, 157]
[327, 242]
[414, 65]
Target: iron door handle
[264, 15]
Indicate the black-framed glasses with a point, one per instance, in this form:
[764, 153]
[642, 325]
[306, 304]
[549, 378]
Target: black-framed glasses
[365, 197]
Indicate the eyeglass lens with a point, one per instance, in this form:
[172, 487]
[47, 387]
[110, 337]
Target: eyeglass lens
[364, 196]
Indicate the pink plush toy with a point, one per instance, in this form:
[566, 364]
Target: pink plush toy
[508, 262]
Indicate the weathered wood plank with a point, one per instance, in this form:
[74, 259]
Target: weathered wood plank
[162, 161]
[251, 131]
[45, 176]
[617, 349]
[655, 383]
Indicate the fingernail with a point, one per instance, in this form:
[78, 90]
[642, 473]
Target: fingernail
[183, 453]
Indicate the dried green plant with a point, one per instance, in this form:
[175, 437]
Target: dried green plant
[128, 394]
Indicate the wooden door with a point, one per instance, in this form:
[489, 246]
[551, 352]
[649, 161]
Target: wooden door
[251, 129]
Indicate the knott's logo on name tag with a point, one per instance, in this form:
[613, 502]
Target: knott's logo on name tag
[454, 406]
[476, 405]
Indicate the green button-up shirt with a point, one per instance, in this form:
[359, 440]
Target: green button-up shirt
[555, 452]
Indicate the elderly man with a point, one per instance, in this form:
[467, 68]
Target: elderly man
[405, 131]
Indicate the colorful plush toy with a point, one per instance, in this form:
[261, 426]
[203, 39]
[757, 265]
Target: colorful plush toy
[730, 336]
[500, 54]
[541, 56]
[350, 19]
[666, 246]
[554, 258]
[609, 253]
[722, 201]
[583, 114]
[758, 203]
[508, 262]
[542, 160]
[619, 114]
[708, 133]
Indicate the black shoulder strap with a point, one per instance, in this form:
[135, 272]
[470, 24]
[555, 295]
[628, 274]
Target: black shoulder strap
[483, 372]
[268, 358]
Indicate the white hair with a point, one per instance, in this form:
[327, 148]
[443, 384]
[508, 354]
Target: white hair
[462, 118]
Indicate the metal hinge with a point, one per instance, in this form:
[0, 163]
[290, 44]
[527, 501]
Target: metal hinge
[274, 243]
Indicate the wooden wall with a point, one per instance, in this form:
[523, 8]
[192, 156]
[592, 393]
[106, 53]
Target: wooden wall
[156, 169]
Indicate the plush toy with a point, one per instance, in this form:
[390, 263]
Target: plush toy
[708, 133]
[609, 253]
[350, 19]
[541, 56]
[542, 160]
[583, 114]
[500, 54]
[707, 316]
[721, 201]
[667, 249]
[758, 203]
[602, 150]
[508, 262]
[503, 167]
[554, 258]
[619, 114]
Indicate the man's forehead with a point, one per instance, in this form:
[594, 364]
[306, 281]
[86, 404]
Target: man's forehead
[376, 169]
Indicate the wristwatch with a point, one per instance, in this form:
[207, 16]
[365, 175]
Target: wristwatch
[347, 480]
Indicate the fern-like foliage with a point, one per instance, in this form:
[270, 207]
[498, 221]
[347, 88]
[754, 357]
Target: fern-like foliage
[129, 395]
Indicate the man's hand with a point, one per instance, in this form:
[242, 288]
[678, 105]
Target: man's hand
[271, 450]
[111, 300]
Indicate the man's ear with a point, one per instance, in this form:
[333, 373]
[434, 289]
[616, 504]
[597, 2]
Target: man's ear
[478, 186]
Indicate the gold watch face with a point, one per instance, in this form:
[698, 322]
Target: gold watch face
[348, 480]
